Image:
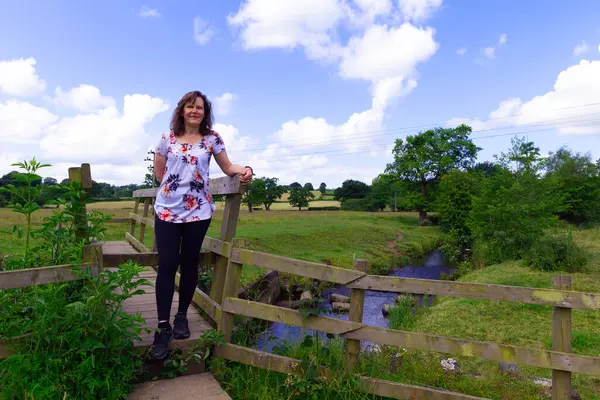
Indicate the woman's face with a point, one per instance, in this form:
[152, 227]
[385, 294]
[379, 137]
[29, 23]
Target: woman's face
[193, 113]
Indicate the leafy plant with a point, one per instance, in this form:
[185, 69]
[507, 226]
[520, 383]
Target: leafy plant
[80, 341]
[557, 253]
[23, 197]
[180, 361]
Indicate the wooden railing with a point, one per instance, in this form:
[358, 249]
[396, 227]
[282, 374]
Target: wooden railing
[562, 299]
[228, 256]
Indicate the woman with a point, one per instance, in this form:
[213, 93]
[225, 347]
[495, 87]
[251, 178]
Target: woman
[184, 207]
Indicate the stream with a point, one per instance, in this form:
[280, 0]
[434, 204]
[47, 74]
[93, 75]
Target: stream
[432, 268]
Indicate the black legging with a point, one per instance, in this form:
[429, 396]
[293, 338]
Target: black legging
[177, 243]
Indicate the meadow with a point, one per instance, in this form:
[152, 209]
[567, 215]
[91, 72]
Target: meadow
[386, 239]
[331, 237]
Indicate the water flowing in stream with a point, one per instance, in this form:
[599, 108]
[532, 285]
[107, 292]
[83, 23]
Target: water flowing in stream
[433, 268]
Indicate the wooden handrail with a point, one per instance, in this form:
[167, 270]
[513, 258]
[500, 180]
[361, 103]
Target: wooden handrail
[44, 275]
[221, 186]
[417, 340]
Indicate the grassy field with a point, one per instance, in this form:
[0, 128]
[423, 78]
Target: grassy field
[334, 237]
[519, 324]
[338, 237]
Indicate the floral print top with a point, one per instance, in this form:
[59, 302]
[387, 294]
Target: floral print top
[183, 194]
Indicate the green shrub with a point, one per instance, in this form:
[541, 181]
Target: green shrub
[81, 341]
[325, 208]
[557, 253]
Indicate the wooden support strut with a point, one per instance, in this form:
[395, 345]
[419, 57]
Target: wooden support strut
[357, 302]
[230, 289]
[561, 341]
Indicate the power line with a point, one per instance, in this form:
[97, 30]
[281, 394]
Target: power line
[369, 139]
[381, 132]
[380, 146]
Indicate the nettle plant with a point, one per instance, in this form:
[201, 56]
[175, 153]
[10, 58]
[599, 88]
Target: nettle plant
[58, 242]
[70, 340]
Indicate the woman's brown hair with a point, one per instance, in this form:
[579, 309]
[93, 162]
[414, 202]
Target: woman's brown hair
[177, 122]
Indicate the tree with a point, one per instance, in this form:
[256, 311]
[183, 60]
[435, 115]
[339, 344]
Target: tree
[299, 197]
[486, 168]
[384, 191]
[425, 157]
[295, 185]
[351, 189]
[323, 189]
[273, 191]
[255, 193]
[514, 207]
[455, 202]
[575, 178]
[309, 186]
[49, 181]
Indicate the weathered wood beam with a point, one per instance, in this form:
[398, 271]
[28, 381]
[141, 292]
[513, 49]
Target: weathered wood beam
[220, 186]
[297, 267]
[44, 275]
[416, 340]
[139, 246]
[551, 297]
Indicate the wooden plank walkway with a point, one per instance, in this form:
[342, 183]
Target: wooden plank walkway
[145, 304]
[192, 387]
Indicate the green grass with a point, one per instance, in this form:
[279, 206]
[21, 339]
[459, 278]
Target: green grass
[518, 324]
[333, 237]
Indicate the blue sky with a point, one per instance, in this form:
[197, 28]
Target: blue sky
[295, 99]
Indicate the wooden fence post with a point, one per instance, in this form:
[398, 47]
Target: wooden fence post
[561, 340]
[83, 176]
[230, 289]
[93, 253]
[357, 302]
[228, 227]
[143, 225]
[136, 208]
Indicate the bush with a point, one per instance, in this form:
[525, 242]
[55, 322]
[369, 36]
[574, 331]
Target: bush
[557, 253]
[366, 204]
[81, 342]
[326, 208]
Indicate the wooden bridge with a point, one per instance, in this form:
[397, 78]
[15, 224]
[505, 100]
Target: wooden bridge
[227, 255]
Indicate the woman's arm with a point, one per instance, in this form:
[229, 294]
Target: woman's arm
[159, 166]
[230, 170]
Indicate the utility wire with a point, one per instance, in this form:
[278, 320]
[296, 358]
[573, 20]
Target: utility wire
[409, 128]
[380, 146]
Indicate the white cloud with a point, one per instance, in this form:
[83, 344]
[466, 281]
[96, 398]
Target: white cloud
[21, 122]
[503, 39]
[489, 52]
[567, 107]
[107, 136]
[581, 49]
[282, 24]
[84, 98]
[461, 51]
[19, 78]
[222, 104]
[384, 52]
[203, 32]
[418, 10]
[147, 12]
